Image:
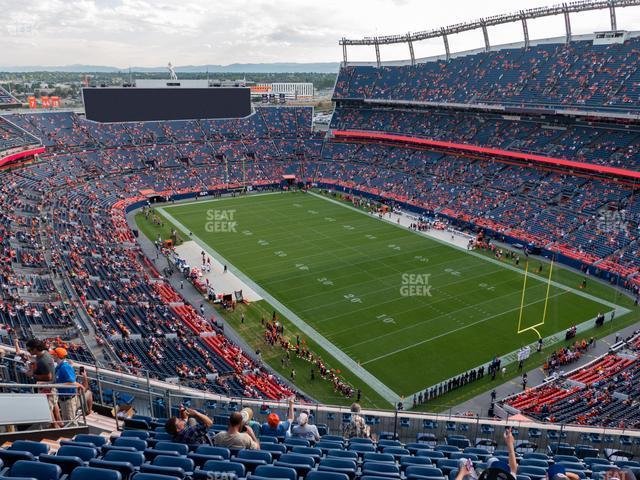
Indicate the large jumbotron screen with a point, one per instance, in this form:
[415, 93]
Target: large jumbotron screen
[119, 104]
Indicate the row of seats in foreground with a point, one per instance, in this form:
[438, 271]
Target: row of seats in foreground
[147, 455]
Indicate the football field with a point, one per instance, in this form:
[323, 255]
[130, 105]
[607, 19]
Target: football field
[407, 310]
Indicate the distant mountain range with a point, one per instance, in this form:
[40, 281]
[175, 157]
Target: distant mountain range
[326, 67]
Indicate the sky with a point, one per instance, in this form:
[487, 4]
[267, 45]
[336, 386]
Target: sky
[146, 33]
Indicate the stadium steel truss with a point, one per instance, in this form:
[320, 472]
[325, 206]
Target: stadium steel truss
[523, 16]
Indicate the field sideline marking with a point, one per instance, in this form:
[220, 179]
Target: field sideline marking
[373, 382]
[543, 280]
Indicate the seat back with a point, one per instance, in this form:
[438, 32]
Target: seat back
[67, 464]
[224, 466]
[319, 475]
[9, 457]
[255, 455]
[420, 461]
[139, 445]
[378, 457]
[270, 471]
[297, 459]
[181, 448]
[210, 450]
[185, 464]
[97, 440]
[134, 458]
[90, 473]
[374, 468]
[37, 470]
[313, 452]
[153, 476]
[419, 471]
[342, 454]
[35, 448]
[84, 453]
[433, 454]
[139, 434]
[347, 466]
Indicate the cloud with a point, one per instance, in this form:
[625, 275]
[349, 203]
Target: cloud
[152, 32]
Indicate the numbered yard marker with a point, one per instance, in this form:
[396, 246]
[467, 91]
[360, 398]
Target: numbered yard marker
[352, 298]
[280, 253]
[325, 281]
[263, 243]
[386, 318]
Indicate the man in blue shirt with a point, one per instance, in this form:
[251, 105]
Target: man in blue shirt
[65, 374]
[274, 427]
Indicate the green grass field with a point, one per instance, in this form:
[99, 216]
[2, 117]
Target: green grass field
[410, 310]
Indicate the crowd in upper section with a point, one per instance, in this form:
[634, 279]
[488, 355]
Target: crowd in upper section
[577, 74]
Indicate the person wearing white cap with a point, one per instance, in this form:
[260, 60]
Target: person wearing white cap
[304, 430]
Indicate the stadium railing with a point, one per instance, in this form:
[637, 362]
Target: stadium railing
[160, 400]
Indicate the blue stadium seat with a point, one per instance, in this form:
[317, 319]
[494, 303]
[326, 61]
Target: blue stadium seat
[338, 465]
[297, 442]
[535, 473]
[252, 459]
[381, 469]
[35, 448]
[96, 440]
[220, 466]
[9, 457]
[37, 470]
[319, 475]
[397, 452]
[271, 471]
[139, 434]
[378, 457]
[89, 473]
[534, 462]
[299, 462]
[126, 469]
[326, 445]
[168, 461]
[311, 452]
[66, 463]
[153, 476]
[418, 461]
[342, 454]
[433, 454]
[181, 448]
[420, 473]
[276, 449]
[134, 458]
[139, 445]
[83, 453]
[446, 465]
